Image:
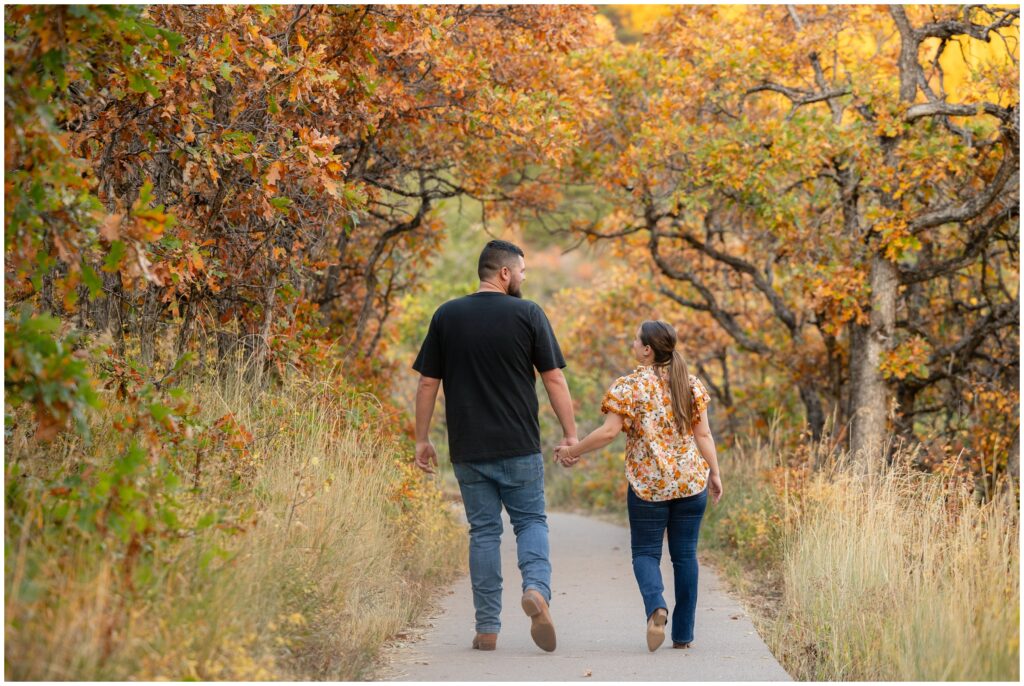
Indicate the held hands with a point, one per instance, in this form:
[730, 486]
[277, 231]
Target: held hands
[426, 457]
[562, 456]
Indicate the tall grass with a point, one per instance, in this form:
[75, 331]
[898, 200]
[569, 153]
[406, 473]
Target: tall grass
[342, 546]
[901, 576]
[892, 575]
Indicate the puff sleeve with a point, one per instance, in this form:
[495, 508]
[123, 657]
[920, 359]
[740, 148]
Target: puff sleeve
[621, 399]
[701, 398]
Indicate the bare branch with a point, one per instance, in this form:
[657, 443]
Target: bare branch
[975, 205]
[762, 283]
[951, 27]
[977, 241]
[938, 107]
[710, 304]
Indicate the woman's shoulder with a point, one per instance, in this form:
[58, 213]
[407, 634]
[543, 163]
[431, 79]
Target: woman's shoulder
[625, 379]
[630, 380]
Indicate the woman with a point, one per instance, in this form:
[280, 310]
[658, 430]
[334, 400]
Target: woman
[671, 465]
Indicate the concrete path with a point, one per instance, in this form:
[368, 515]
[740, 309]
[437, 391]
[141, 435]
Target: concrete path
[599, 620]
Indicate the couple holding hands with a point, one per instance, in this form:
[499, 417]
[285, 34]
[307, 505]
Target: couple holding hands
[484, 347]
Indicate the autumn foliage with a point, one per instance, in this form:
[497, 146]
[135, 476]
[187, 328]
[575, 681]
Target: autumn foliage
[823, 199]
[826, 199]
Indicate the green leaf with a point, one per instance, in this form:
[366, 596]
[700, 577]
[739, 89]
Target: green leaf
[92, 280]
[138, 83]
[281, 203]
[159, 412]
[114, 257]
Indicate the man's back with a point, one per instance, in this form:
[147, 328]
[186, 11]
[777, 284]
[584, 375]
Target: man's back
[485, 347]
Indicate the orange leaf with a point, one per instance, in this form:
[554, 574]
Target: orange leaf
[110, 229]
[273, 173]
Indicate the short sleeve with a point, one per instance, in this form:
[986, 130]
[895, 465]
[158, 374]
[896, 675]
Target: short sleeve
[701, 398]
[621, 399]
[546, 353]
[430, 361]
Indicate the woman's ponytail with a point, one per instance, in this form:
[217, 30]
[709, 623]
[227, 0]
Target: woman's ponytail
[682, 397]
[662, 338]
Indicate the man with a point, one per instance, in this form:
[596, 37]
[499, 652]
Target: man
[484, 348]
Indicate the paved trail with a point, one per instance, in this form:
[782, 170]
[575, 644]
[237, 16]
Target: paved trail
[599, 620]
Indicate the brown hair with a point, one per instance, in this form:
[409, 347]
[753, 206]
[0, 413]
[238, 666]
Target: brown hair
[661, 336]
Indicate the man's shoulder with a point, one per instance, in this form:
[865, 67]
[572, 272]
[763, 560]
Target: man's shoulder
[468, 301]
[453, 304]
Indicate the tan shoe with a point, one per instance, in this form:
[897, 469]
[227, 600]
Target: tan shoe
[542, 631]
[656, 628]
[485, 641]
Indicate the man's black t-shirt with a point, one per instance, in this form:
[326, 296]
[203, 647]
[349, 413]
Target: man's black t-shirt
[484, 347]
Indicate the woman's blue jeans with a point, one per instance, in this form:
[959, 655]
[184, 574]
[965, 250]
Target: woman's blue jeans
[648, 522]
[518, 484]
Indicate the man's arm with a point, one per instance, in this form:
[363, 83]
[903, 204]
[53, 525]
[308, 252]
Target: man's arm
[426, 396]
[561, 402]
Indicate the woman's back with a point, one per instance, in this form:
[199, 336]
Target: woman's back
[662, 462]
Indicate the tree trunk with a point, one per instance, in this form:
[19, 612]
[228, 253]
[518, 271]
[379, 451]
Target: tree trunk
[812, 405]
[263, 341]
[146, 323]
[83, 307]
[869, 394]
[226, 340]
[46, 299]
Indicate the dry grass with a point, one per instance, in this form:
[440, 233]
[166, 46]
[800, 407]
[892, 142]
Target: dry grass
[343, 549]
[894, 575]
[900, 576]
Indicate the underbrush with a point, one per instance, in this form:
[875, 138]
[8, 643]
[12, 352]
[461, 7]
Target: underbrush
[228, 532]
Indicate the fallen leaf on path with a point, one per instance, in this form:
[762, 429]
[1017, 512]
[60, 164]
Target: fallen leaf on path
[588, 672]
[735, 616]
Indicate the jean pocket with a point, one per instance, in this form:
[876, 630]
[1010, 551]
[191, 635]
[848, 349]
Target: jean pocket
[524, 470]
[467, 473]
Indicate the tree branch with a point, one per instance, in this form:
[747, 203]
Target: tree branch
[977, 241]
[710, 305]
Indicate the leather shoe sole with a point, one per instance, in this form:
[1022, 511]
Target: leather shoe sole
[543, 630]
[656, 629]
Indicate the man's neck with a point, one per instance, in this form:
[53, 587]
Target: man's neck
[488, 287]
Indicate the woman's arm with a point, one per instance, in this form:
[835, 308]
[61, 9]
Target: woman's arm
[706, 444]
[596, 439]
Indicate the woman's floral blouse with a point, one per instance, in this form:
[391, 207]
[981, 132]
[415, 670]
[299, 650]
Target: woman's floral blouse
[660, 464]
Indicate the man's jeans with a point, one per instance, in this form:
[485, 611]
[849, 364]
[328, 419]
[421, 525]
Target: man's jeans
[518, 484]
[647, 524]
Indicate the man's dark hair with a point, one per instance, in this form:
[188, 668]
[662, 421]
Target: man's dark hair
[495, 255]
